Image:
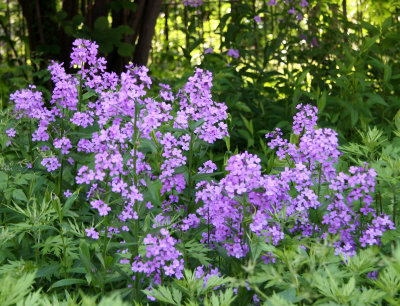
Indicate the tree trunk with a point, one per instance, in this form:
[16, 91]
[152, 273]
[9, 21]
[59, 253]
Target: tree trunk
[344, 8]
[71, 8]
[48, 40]
[147, 30]
[42, 29]
[116, 62]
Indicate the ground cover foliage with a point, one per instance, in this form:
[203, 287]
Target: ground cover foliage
[228, 183]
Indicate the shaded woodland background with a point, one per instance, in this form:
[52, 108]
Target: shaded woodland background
[340, 55]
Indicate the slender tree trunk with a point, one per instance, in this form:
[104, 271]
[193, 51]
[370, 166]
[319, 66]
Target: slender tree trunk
[166, 29]
[344, 8]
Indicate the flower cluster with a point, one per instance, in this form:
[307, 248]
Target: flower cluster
[196, 104]
[161, 257]
[233, 53]
[293, 194]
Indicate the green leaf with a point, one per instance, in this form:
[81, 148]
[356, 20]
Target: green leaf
[125, 49]
[3, 179]
[387, 23]
[390, 235]
[101, 23]
[322, 102]
[242, 107]
[146, 145]
[354, 117]
[164, 294]
[369, 43]
[84, 255]
[68, 203]
[19, 195]
[194, 124]
[124, 29]
[376, 99]
[77, 20]
[68, 282]
[88, 95]
[248, 124]
[47, 270]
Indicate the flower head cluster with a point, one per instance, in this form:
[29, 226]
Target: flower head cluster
[92, 67]
[64, 144]
[11, 133]
[196, 104]
[51, 163]
[233, 53]
[29, 103]
[161, 256]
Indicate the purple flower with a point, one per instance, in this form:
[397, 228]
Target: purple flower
[192, 3]
[192, 221]
[272, 2]
[208, 167]
[303, 3]
[314, 42]
[257, 19]
[161, 255]
[64, 144]
[51, 163]
[67, 193]
[373, 275]
[208, 50]
[233, 53]
[292, 11]
[83, 119]
[11, 133]
[91, 232]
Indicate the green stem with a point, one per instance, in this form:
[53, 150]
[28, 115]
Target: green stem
[190, 179]
[59, 183]
[104, 253]
[30, 140]
[80, 93]
[319, 181]
[244, 225]
[64, 251]
[136, 206]
[394, 206]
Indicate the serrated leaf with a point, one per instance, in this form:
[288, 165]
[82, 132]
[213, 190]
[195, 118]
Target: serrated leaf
[47, 270]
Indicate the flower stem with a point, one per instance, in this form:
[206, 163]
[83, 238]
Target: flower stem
[190, 179]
